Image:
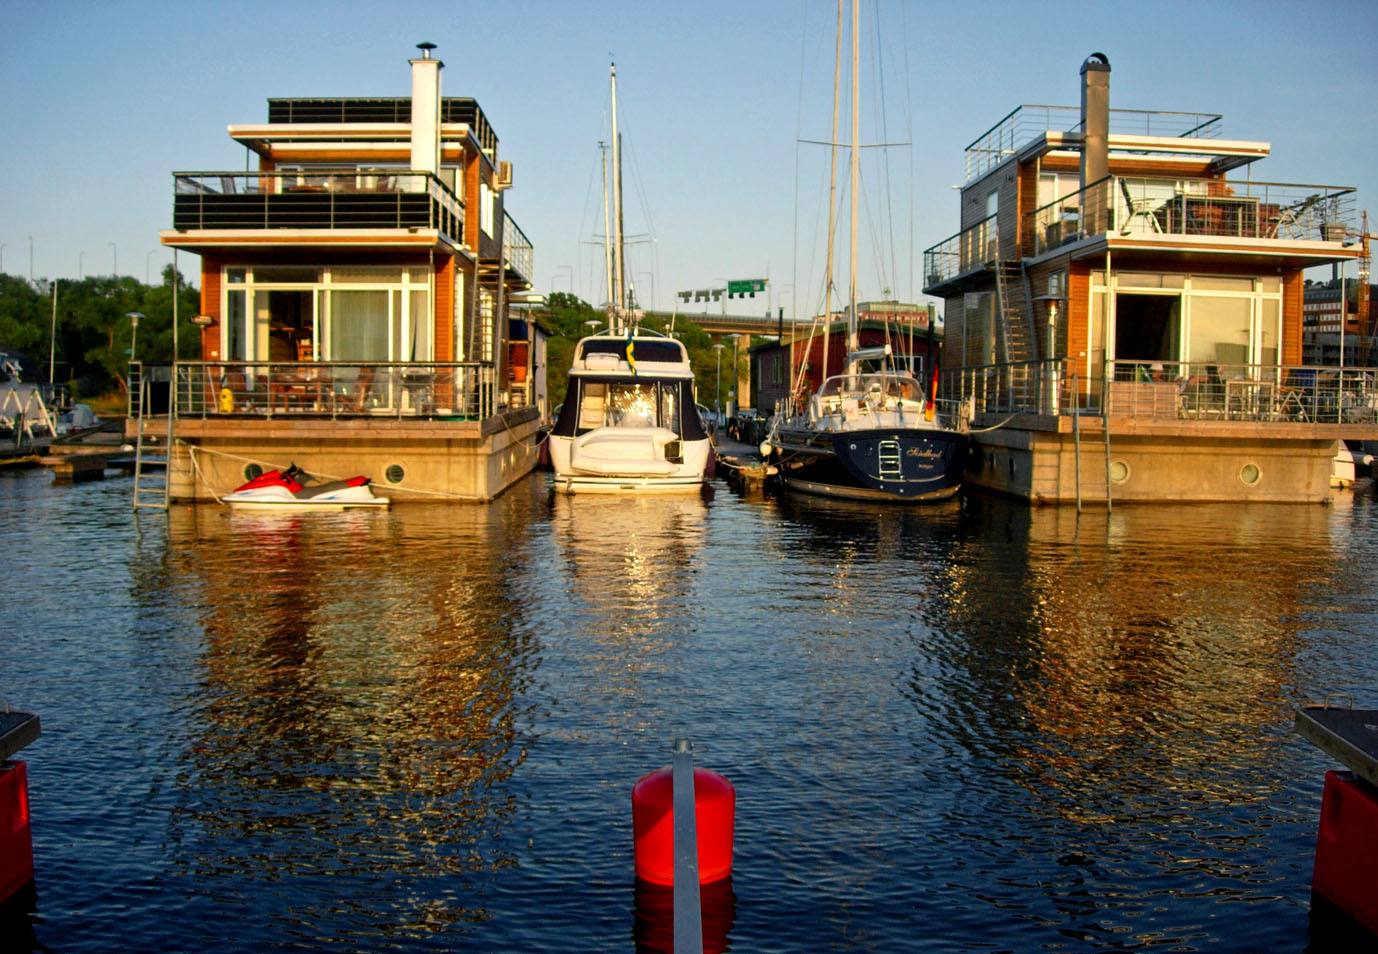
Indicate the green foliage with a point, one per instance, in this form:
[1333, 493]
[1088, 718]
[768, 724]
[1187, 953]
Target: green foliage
[93, 331]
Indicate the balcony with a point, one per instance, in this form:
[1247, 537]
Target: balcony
[970, 250]
[1026, 124]
[1305, 398]
[332, 390]
[517, 252]
[1136, 206]
[344, 199]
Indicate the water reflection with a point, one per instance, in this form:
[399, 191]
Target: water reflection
[359, 689]
[1123, 679]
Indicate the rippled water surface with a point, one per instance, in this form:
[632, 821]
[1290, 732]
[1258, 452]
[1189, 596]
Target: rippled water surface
[986, 726]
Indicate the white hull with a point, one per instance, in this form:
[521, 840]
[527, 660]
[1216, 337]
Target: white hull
[299, 505]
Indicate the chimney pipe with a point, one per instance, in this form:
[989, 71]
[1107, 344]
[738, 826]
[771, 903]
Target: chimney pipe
[425, 111]
[1095, 119]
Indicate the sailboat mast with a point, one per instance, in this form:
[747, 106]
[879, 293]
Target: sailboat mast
[619, 285]
[607, 236]
[832, 200]
[856, 179]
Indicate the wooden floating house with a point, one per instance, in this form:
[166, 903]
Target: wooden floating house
[1123, 308]
[357, 304]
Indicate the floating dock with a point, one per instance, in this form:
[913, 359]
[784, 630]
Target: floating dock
[1346, 867]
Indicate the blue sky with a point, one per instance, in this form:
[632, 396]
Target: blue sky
[101, 102]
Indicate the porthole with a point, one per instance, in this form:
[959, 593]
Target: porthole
[1119, 471]
[252, 472]
[395, 474]
[1250, 474]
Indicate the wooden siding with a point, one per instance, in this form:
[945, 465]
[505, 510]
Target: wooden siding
[444, 309]
[1078, 308]
[211, 280]
[1291, 317]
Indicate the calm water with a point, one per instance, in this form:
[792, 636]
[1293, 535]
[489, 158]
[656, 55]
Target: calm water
[990, 727]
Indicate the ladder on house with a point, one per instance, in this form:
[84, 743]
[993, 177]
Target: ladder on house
[151, 489]
[1013, 328]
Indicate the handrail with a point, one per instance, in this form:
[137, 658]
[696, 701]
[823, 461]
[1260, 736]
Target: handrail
[434, 390]
[1176, 391]
[357, 197]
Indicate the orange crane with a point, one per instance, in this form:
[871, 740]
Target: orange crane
[1367, 327]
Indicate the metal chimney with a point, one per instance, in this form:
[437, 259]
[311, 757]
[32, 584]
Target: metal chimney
[425, 111]
[1095, 119]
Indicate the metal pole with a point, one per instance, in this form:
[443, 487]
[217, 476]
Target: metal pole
[688, 919]
[52, 337]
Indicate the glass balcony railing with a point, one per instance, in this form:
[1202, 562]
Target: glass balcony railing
[362, 198]
[332, 389]
[1128, 205]
[517, 252]
[1170, 391]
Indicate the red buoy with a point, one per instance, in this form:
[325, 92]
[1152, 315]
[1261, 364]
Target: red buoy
[16, 842]
[1346, 868]
[653, 827]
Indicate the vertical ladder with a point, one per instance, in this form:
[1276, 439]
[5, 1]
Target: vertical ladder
[150, 485]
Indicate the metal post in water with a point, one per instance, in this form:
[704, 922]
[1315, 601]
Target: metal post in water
[688, 920]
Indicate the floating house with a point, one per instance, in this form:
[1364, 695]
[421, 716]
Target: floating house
[357, 293]
[1123, 311]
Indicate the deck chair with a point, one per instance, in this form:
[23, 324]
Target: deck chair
[1138, 208]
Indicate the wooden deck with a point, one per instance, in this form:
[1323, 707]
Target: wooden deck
[1348, 735]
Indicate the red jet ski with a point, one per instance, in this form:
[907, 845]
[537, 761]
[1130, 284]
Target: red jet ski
[291, 489]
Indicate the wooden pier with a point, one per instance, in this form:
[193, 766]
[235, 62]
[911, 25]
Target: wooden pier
[738, 461]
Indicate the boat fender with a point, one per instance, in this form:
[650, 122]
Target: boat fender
[765, 449]
[226, 400]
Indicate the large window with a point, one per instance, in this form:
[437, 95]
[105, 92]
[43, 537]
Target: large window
[1229, 321]
[336, 313]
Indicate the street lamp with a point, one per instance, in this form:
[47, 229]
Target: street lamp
[114, 267]
[717, 387]
[558, 270]
[133, 317]
[592, 324]
[80, 256]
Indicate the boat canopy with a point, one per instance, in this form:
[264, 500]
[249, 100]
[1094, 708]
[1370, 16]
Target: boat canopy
[620, 401]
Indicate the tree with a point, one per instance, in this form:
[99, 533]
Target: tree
[93, 330]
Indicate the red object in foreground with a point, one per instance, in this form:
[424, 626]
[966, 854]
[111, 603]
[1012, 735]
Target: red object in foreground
[653, 827]
[1346, 872]
[16, 841]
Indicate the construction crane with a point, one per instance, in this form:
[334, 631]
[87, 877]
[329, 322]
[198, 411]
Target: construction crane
[1367, 328]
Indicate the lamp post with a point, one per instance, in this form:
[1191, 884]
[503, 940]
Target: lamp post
[558, 270]
[592, 325]
[133, 317]
[80, 257]
[114, 266]
[2, 257]
[717, 387]
[30, 259]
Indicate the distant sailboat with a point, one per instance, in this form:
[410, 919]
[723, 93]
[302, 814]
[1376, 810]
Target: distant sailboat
[629, 423]
[867, 435]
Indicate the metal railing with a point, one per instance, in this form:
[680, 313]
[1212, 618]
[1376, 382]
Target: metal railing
[1169, 391]
[349, 198]
[334, 389]
[1025, 123]
[516, 249]
[970, 249]
[1130, 205]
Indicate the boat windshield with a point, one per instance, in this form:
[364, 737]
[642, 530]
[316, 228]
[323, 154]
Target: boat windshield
[893, 385]
[627, 404]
